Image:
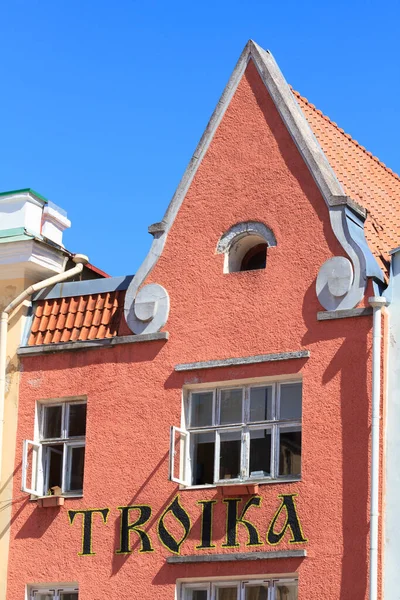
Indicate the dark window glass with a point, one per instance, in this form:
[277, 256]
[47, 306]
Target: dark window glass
[286, 591]
[203, 458]
[256, 258]
[229, 459]
[260, 453]
[55, 461]
[77, 420]
[231, 407]
[201, 409]
[199, 595]
[77, 465]
[289, 451]
[291, 401]
[260, 404]
[227, 593]
[257, 592]
[52, 422]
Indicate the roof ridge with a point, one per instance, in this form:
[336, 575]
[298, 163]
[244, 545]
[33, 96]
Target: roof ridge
[346, 135]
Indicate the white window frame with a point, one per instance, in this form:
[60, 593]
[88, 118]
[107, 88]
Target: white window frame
[187, 434]
[54, 588]
[241, 584]
[41, 465]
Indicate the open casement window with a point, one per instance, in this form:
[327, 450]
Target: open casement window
[54, 593]
[55, 464]
[178, 455]
[32, 472]
[252, 589]
[239, 434]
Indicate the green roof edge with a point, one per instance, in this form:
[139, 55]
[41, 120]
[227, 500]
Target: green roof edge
[36, 194]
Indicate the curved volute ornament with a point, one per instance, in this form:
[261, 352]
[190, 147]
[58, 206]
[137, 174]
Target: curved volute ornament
[341, 282]
[147, 308]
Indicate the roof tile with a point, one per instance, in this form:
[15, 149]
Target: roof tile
[84, 333]
[56, 336]
[43, 323]
[64, 306]
[88, 318]
[92, 333]
[61, 321]
[66, 334]
[56, 306]
[69, 323]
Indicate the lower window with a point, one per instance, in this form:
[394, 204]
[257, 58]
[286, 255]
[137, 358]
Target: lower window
[54, 463]
[54, 592]
[252, 589]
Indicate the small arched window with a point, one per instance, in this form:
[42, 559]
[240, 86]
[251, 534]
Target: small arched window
[255, 258]
[245, 246]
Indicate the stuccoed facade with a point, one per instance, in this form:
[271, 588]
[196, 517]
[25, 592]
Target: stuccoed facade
[202, 430]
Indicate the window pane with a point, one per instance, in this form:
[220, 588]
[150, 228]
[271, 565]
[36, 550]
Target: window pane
[201, 409]
[69, 596]
[260, 453]
[286, 591]
[52, 422]
[77, 420]
[43, 596]
[256, 592]
[76, 462]
[291, 401]
[261, 404]
[227, 593]
[54, 465]
[289, 451]
[229, 455]
[191, 594]
[203, 458]
[231, 407]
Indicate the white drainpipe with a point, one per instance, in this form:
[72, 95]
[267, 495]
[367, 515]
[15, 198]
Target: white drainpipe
[80, 260]
[377, 302]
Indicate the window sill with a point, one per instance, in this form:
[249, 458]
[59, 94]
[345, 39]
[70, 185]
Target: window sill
[244, 489]
[239, 485]
[90, 344]
[50, 501]
[63, 497]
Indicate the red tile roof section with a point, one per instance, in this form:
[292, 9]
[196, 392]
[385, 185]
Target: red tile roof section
[365, 179]
[93, 317]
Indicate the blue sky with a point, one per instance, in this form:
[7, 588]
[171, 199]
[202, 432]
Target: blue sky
[103, 103]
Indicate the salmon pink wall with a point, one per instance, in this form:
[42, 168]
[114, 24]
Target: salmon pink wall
[252, 171]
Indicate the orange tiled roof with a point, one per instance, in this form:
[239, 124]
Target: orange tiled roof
[365, 179]
[91, 317]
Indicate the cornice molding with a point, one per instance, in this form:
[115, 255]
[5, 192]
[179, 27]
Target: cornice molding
[22, 258]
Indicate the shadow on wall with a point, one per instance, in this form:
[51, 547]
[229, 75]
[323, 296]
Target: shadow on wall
[34, 527]
[5, 504]
[77, 359]
[352, 357]
[150, 527]
[167, 574]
